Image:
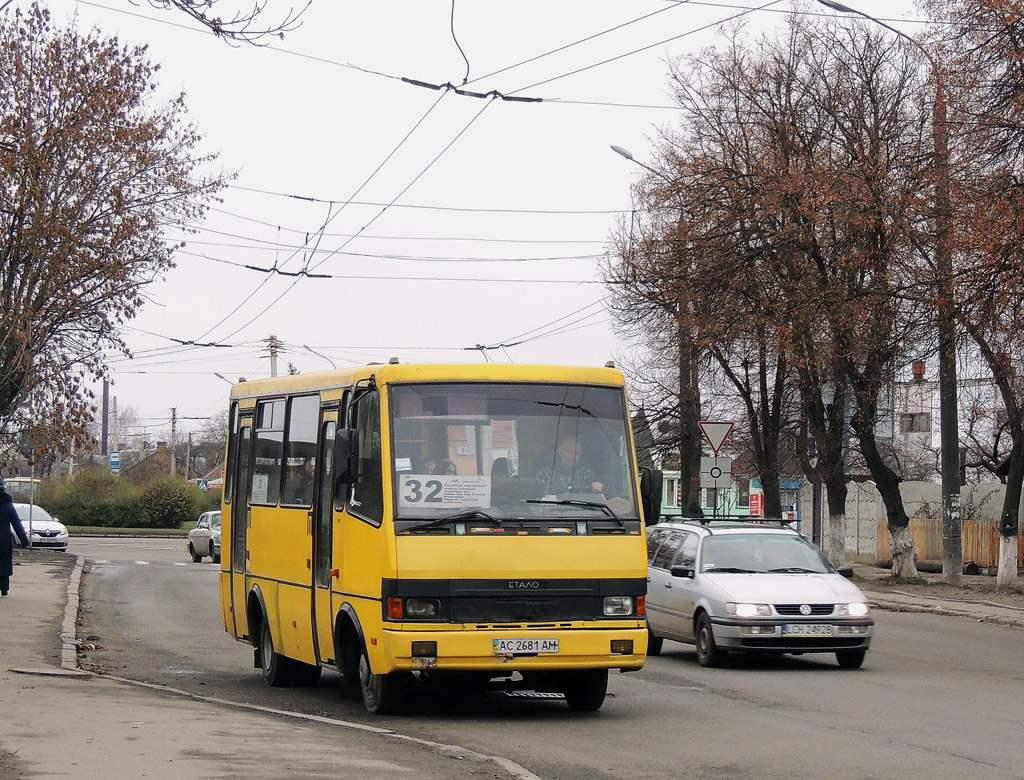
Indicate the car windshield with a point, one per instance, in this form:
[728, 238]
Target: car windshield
[511, 451]
[38, 513]
[215, 520]
[762, 553]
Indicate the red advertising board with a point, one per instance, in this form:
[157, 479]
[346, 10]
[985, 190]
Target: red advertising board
[755, 505]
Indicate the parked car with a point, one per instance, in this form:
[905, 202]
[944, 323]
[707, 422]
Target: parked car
[204, 539]
[47, 530]
[751, 587]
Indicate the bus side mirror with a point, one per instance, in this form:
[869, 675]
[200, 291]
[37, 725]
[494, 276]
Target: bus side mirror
[344, 456]
[650, 494]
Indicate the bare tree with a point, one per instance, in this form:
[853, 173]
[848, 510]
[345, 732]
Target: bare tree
[244, 23]
[91, 173]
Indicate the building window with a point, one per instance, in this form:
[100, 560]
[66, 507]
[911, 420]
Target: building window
[916, 422]
[743, 492]
[672, 493]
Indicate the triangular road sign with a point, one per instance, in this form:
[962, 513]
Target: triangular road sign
[715, 433]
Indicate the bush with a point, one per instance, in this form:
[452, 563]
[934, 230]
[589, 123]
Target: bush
[92, 498]
[167, 503]
[96, 498]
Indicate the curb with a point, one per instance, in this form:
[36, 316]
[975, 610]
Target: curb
[69, 662]
[901, 606]
[69, 627]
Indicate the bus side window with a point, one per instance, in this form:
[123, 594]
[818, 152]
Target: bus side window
[366, 497]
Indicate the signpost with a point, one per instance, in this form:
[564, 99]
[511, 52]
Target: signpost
[115, 462]
[715, 433]
[716, 472]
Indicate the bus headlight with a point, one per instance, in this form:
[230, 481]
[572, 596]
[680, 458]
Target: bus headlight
[422, 609]
[618, 606]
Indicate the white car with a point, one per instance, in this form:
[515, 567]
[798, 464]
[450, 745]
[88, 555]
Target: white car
[46, 531]
[750, 587]
[204, 539]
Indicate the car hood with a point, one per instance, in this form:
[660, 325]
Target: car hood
[784, 588]
[41, 525]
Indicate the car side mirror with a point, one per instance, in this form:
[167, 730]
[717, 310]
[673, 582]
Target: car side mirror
[681, 571]
[650, 494]
[846, 571]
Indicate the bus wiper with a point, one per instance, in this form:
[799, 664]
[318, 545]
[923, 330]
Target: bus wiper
[469, 514]
[577, 502]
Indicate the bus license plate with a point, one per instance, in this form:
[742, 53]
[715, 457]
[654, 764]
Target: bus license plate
[524, 646]
[807, 629]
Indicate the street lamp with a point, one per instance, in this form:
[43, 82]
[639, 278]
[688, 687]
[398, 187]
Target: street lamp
[221, 376]
[949, 428]
[310, 349]
[629, 156]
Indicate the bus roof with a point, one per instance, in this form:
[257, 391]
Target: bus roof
[385, 373]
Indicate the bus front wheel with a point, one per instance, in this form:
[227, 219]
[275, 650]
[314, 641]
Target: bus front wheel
[383, 694]
[585, 690]
[276, 668]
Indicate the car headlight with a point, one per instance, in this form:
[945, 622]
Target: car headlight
[748, 610]
[618, 606]
[853, 609]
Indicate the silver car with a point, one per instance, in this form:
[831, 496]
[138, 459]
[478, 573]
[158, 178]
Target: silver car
[47, 530]
[204, 539]
[751, 588]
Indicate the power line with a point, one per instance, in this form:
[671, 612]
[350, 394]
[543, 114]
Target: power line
[645, 48]
[466, 209]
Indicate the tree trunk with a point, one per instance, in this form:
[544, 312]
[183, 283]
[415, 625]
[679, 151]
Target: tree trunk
[904, 559]
[690, 437]
[833, 535]
[1009, 528]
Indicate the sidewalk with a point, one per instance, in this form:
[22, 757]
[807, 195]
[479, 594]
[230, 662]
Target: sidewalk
[917, 598]
[58, 721]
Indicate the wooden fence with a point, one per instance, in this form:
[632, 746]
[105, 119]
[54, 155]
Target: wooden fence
[980, 541]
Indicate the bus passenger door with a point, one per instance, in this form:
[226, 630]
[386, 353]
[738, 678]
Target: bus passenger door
[239, 528]
[323, 538]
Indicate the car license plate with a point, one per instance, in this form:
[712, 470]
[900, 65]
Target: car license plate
[806, 629]
[524, 646]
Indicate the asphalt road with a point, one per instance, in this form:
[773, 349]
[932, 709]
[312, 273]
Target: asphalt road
[937, 698]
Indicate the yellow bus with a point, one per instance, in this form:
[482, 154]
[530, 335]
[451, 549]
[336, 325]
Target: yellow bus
[454, 524]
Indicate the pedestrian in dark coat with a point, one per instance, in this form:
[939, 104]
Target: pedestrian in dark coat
[9, 521]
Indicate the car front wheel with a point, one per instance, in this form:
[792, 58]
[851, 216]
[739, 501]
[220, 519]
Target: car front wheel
[708, 653]
[851, 659]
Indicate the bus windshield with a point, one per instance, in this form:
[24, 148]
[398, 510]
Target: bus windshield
[507, 451]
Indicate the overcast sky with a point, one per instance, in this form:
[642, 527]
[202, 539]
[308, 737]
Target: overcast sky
[451, 221]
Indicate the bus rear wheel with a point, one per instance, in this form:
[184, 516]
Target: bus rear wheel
[383, 694]
[585, 690]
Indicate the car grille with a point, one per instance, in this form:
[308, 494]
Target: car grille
[794, 609]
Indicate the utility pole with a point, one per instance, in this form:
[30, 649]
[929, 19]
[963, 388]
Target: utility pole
[273, 354]
[174, 424]
[188, 457]
[106, 413]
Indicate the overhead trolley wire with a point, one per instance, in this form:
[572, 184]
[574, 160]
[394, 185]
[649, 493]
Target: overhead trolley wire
[415, 179]
[376, 170]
